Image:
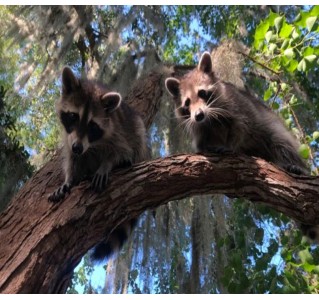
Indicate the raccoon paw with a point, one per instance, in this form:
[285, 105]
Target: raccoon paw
[219, 150]
[294, 169]
[59, 193]
[99, 181]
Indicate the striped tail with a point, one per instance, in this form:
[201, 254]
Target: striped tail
[114, 243]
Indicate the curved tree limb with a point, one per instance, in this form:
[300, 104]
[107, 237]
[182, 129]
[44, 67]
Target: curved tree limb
[41, 243]
[51, 239]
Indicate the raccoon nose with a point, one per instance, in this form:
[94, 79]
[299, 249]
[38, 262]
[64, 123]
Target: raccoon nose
[199, 115]
[77, 148]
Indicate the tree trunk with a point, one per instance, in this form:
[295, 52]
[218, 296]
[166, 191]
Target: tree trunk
[43, 242]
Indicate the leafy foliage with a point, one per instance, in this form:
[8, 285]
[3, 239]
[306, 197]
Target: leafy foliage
[289, 52]
[15, 168]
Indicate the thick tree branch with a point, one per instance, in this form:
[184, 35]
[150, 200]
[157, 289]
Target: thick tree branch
[41, 243]
[51, 239]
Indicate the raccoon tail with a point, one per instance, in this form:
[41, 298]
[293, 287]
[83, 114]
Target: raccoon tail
[114, 243]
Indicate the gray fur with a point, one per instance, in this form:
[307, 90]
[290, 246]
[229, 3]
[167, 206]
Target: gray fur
[233, 120]
[120, 140]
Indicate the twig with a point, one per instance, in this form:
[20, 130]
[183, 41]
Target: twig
[259, 63]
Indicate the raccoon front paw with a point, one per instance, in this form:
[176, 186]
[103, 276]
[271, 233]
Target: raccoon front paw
[220, 150]
[60, 193]
[294, 169]
[99, 181]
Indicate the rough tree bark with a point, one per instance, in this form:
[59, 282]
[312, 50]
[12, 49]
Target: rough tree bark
[41, 243]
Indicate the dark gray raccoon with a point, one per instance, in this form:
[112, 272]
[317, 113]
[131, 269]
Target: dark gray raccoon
[100, 132]
[222, 118]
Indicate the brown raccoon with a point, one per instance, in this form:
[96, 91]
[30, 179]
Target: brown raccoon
[101, 132]
[222, 118]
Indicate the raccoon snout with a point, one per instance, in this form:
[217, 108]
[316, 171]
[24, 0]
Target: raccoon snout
[77, 148]
[199, 115]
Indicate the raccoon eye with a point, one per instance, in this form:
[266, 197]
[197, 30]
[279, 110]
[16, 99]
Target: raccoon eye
[205, 95]
[73, 117]
[69, 119]
[202, 94]
[94, 132]
[187, 102]
[209, 96]
[183, 112]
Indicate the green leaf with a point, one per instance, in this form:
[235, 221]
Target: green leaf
[298, 18]
[268, 35]
[308, 267]
[315, 135]
[295, 34]
[271, 18]
[261, 30]
[272, 47]
[284, 44]
[305, 256]
[278, 23]
[284, 86]
[275, 105]
[293, 100]
[315, 11]
[302, 66]
[286, 30]
[310, 22]
[292, 65]
[267, 94]
[315, 51]
[289, 53]
[310, 58]
[304, 151]
[286, 254]
[301, 19]
[308, 51]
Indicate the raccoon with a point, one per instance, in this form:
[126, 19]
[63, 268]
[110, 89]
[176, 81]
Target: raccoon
[100, 133]
[222, 118]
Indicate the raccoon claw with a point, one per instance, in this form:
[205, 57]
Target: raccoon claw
[99, 181]
[59, 194]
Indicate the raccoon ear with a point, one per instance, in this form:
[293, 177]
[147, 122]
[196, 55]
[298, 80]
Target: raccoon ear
[205, 63]
[172, 86]
[111, 101]
[69, 81]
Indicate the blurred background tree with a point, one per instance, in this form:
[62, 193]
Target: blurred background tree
[202, 245]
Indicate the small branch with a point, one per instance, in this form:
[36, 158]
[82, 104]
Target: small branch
[259, 63]
[265, 76]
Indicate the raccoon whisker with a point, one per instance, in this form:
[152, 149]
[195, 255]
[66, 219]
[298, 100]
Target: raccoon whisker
[213, 116]
[212, 86]
[215, 113]
[211, 103]
[176, 115]
[184, 122]
[221, 111]
[189, 126]
[171, 118]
